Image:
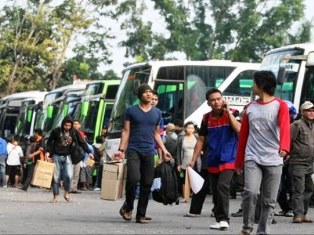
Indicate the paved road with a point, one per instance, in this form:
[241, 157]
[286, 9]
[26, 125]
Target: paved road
[31, 213]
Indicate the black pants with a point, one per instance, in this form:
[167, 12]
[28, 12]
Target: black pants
[220, 184]
[199, 198]
[140, 168]
[29, 176]
[285, 189]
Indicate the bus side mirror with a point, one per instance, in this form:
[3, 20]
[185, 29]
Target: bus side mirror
[281, 75]
[310, 59]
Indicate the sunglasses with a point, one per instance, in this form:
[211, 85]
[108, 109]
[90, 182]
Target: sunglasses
[308, 110]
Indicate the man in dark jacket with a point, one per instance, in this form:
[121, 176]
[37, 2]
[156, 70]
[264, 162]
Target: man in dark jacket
[301, 162]
[59, 149]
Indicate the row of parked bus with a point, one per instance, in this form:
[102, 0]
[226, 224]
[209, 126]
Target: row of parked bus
[181, 86]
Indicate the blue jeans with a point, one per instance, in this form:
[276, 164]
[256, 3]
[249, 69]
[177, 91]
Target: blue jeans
[263, 180]
[2, 170]
[63, 164]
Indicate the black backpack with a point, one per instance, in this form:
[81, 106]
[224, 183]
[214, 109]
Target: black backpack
[168, 193]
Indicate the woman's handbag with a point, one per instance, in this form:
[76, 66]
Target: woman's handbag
[77, 153]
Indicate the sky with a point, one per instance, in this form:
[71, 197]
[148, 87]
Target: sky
[118, 53]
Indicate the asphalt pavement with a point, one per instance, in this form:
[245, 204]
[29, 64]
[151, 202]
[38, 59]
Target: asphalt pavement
[31, 213]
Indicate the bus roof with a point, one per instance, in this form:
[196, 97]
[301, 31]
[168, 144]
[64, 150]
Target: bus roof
[25, 94]
[193, 62]
[307, 47]
[9, 100]
[78, 85]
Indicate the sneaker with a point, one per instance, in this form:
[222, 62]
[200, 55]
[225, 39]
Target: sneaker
[5, 186]
[215, 226]
[289, 214]
[96, 189]
[224, 225]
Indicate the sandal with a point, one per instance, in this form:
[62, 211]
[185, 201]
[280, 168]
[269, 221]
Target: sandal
[127, 216]
[68, 198]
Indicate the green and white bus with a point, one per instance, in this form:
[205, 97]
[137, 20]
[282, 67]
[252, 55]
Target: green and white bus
[95, 107]
[47, 113]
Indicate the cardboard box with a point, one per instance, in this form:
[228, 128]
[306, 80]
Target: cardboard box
[113, 180]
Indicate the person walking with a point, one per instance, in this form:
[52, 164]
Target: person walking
[219, 131]
[13, 165]
[37, 152]
[58, 148]
[77, 166]
[185, 148]
[140, 131]
[264, 141]
[301, 162]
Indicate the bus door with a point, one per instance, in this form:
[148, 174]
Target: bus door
[308, 86]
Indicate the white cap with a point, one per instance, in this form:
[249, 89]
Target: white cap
[306, 105]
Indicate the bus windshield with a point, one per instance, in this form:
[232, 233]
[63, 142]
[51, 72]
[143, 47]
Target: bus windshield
[274, 61]
[127, 96]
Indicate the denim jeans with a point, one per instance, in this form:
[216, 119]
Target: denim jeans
[263, 180]
[62, 164]
[302, 188]
[140, 168]
[2, 170]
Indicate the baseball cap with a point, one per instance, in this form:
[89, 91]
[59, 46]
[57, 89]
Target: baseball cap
[306, 105]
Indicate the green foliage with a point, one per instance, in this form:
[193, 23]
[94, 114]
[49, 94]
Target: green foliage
[216, 29]
[35, 37]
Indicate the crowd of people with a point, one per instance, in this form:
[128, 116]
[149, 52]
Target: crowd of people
[266, 144]
[18, 163]
[259, 145]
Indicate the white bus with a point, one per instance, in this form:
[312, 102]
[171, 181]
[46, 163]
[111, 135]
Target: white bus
[294, 67]
[181, 86]
[10, 107]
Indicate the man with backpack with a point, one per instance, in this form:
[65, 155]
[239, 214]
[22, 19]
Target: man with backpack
[3, 157]
[219, 131]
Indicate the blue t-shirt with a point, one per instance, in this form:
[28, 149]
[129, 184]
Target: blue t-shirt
[142, 128]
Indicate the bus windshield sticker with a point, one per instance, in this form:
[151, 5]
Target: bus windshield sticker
[237, 100]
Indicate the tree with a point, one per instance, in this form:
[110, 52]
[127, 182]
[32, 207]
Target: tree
[36, 36]
[215, 29]
[23, 37]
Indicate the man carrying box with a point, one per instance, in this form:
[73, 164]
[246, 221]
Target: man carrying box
[140, 131]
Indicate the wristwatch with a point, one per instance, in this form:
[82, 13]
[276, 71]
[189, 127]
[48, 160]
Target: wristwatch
[121, 150]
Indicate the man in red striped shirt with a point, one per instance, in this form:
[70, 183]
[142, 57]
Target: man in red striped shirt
[264, 141]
